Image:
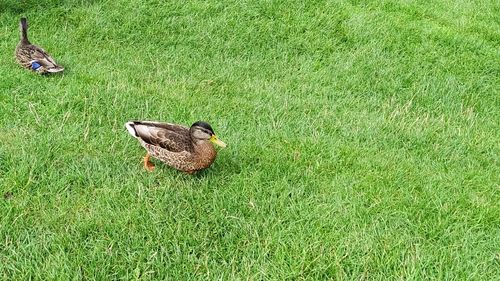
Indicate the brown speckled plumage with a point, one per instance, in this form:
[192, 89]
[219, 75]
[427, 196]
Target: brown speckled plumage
[27, 53]
[185, 149]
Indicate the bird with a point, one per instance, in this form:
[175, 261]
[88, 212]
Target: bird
[185, 149]
[33, 57]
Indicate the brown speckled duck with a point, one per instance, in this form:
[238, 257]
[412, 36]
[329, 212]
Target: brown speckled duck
[33, 57]
[185, 149]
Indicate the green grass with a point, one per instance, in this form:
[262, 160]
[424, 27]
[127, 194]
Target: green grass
[363, 141]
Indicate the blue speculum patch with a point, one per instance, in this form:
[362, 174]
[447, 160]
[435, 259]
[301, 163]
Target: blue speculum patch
[35, 65]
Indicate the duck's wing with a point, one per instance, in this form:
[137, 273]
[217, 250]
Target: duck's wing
[44, 59]
[172, 137]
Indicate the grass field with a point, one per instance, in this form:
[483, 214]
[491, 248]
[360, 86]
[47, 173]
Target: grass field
[363, 141]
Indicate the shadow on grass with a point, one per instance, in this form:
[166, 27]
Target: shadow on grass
[17, 7]
[219, 170]
[224, 167]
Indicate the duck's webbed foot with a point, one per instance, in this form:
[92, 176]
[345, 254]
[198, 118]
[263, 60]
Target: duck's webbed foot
[148, 165]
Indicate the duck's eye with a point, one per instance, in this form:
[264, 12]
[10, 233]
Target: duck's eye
[205, 131]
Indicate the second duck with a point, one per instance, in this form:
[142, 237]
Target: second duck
[33, 57]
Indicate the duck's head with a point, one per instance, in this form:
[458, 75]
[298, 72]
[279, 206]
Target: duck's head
[203, 131]
[23, 24]
[23, 27]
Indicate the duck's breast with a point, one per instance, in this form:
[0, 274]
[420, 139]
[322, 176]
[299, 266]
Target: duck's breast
[205, 154]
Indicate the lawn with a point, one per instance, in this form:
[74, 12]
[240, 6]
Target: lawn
[363, 141]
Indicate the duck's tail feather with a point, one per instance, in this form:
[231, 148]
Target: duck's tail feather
[55, 70]
[131, 128]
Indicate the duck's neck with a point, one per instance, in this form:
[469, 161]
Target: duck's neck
[206, 146]
[24, 33]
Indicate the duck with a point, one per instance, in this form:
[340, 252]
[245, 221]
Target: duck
[185, 149]
[32, 56]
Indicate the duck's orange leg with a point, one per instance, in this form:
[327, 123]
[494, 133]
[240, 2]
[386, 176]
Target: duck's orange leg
[147, 164]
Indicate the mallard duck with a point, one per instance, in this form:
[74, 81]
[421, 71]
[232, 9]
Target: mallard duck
[33, 57]
[185, 149]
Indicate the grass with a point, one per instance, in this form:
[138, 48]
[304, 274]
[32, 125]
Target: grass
[363, 141]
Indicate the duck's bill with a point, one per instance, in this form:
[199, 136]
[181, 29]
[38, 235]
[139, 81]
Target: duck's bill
[217, 141]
